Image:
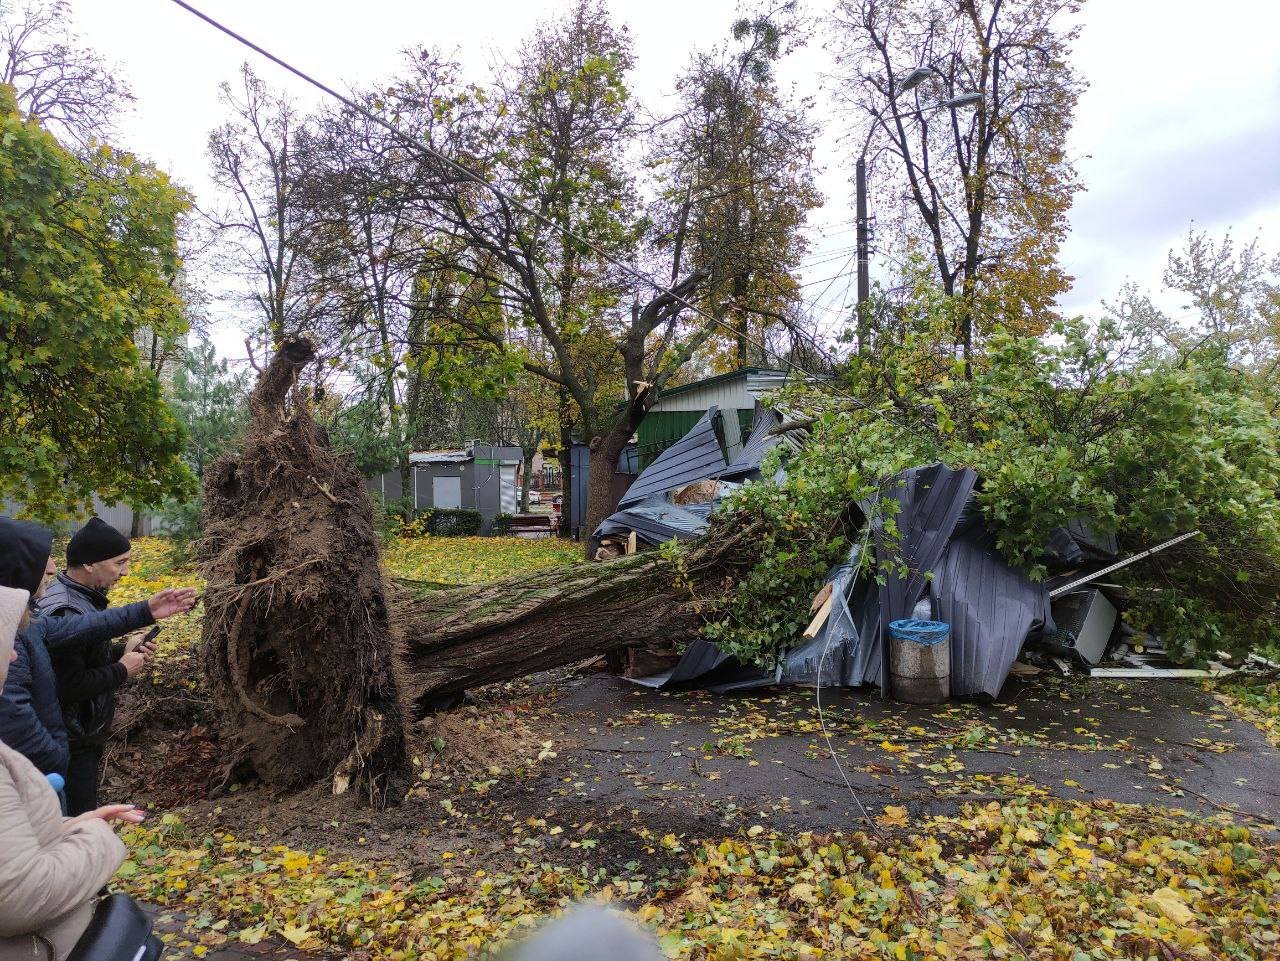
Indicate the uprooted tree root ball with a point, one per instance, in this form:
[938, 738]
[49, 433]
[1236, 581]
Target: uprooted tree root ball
[296, 640]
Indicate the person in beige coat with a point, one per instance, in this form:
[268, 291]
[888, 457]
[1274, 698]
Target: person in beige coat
[51, 867]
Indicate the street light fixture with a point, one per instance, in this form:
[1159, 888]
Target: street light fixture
[970, 99]
[916, 77]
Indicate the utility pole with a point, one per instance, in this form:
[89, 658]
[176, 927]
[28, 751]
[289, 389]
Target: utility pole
[864, 255]
[911, 80]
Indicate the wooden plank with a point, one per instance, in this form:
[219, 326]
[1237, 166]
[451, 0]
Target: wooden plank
[631, 543]
[819, 599]
[819, 619]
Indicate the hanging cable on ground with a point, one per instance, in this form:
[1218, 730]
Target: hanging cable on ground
[822, 722]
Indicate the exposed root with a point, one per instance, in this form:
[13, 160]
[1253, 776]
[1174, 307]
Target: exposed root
[297, 645]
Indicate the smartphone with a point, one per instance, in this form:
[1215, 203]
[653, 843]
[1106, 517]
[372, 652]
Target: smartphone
[150, 636]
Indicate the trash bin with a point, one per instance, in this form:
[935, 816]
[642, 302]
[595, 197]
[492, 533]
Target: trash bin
[920, 660]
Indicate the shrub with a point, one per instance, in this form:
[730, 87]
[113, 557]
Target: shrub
[181, 521]
[393, 517]
[502, 524]
[442, 522]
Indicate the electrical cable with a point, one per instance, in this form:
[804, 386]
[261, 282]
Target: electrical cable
[817, 693]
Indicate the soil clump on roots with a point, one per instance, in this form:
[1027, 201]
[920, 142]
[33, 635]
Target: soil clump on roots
[297, 646]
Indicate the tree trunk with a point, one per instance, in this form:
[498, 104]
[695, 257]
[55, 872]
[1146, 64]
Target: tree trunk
[525, 469]
[296, 638]
[465, 637]
[566, 466]
[605, 452]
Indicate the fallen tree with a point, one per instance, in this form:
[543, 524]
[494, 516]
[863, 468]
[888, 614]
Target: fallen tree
[307, 672]
[466, 637]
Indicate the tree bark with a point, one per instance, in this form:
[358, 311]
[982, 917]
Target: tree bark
[566, 467]
[459, 638]
[605, 453]
[525, 469]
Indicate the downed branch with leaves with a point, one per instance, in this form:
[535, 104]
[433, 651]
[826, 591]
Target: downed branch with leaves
[1096, 423]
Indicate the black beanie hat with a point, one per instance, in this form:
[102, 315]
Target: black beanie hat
[94, 542]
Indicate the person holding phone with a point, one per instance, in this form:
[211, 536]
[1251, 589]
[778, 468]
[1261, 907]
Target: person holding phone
[90, 672]
[31, 719]
[51, 867]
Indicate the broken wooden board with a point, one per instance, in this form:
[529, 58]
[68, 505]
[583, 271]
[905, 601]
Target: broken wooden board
[819, 619]
[819, 599]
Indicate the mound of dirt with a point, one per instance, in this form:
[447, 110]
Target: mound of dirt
[296, 641]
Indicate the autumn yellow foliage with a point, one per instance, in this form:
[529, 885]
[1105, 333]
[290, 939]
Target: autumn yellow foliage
[1031, 877]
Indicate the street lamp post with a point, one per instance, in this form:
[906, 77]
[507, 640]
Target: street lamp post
[913, 79]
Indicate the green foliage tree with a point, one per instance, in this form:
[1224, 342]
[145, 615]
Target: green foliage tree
[362, 430]
[742, 174]
[209, 400]
[1096, 422]
[88, 257]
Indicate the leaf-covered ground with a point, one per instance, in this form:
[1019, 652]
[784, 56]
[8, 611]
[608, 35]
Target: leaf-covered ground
[1032, 877]
[474, 560]
[1257, 700]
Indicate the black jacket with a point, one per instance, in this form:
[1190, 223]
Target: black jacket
[89, 673]
[30, 714]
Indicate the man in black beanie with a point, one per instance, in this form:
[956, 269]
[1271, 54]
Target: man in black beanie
[89, 674]
[31, 717]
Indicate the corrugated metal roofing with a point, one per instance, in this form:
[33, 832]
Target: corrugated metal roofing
[846, 652]
[944, 551]
[746, 466]
[761, 373]
[990, 606]
[440, 457]
[656, 520]
[712, 668]
[696, 456]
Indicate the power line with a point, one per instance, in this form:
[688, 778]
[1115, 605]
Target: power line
[476, 178]
[810, 283]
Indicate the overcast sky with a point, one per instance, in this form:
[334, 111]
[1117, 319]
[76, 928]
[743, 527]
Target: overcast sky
[1181, 121]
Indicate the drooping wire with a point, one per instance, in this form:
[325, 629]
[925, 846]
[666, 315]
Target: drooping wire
[822, 722]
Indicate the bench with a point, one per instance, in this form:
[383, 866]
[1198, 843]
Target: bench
[534, 525]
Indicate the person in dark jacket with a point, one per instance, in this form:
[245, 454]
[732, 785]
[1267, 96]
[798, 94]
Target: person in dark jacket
[88, 674]
[30, 713]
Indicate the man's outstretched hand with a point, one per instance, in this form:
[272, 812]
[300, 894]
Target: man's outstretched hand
[171, 601]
